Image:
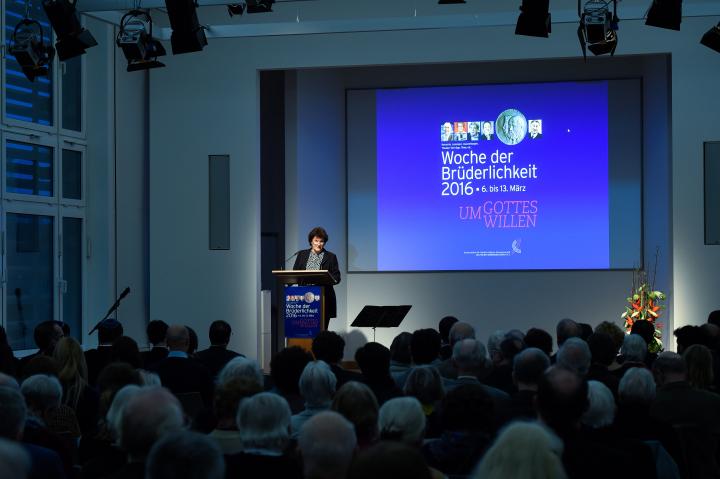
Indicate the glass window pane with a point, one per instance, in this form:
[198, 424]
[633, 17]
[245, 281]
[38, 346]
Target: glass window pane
[29, 169]
[71, 94]
[29, 292]
[72, 273]
[26, 100]
[72, 174]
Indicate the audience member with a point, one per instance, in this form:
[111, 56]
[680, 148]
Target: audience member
[400, 356]
[327, 444]
[181, 374]
[699, 362]
[125, 350]
[603, 353]
[600, 412]
[425, 384]
[96, 359]
[714, 317]
[317, 387]
[329, 346]
[77, 393]
[566, 329]
[493, 346]
[523, 450]
[374, 362]
[8, 381]
[228, 396]
[185, 454]
[469, 357]
[193, 342]
[46, 336]
[149, 414]
[389, 460]
[586, 331]
[688, 335]
[217, 355]
[458, 332]
[528, 368]
[501, 375]
[646, 330]
[45, 463]
[40, 365]
[632, 354]
[156, 332]
[285, 370]
[617, 334]
[574, 355]
[425, 347]
[444, 328]
[264, 424]
[539, 338]
[241, 367]
[14, 460]
[357, 403]
[467, 420]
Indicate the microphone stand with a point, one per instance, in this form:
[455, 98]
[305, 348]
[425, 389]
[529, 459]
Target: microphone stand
[112, 309]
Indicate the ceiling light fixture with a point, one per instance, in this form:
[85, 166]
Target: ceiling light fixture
[29, 49]
[137, 43]
[598, 27]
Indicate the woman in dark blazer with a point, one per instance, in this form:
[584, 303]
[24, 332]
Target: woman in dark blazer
[317, 257]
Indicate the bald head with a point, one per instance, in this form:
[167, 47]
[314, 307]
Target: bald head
[178, 338]
[469, 355]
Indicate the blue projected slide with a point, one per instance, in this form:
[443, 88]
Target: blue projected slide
[491, 177]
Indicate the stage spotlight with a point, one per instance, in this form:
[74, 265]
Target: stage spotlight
[29, 50]
[665, 14]
[187, 33]
[534, 18]
[135, 39]
[598, 27]
[72, 38]
[711, 39]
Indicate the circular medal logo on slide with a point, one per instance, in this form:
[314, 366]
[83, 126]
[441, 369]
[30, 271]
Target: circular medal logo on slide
[511, 126]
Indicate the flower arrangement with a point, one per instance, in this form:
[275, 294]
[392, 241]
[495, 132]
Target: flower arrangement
[644, 306]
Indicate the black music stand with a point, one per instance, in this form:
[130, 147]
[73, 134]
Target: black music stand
[380, 317]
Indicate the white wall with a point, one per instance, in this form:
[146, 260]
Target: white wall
[207, 103]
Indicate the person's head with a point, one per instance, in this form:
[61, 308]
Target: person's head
[528, 368]
[156, 332]
[357, 403]
[14, 460]
[447, 128]
[402, 419]
[688, 335]
[614, 331]
[467, 408]
[493, 346]
[602, 349]
[523, 450]
[637, 387]
[699, 362]
[317, 384]
[534, 126]
[669, 368]
[108, 331]
[469, 356]
[327, 443]
[562, 399]
[487, 127]
[185, 454]
[510, 347]
[113, 417]
[634, 348]
[263, 421]
[460, 127]
[645, 329]
[46, 336]
[574, 355]
[111, 379]
[374, 361]
[473, 128]
[425, 384]
[566, 329]
[13, 413]
[539, 338]
[601, 406]
[389, 460]
[714, 317]
[586, 331]
[317, 238]
[177, 338]
[241, 367]
[125, 349]
[148, 415]
[228, 395]
[287, 366]
[219, 333]
[444, 326]
[73, 369]
[400, 348]
[328, 346]
[460, 331]
[516, 127]
[192, 341]
[8, 381]
[42, 394]
[425, 346]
